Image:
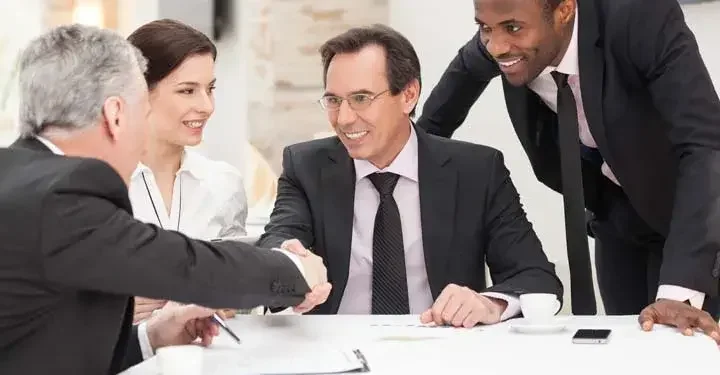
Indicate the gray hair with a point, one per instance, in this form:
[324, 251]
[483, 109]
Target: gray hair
[67, 73]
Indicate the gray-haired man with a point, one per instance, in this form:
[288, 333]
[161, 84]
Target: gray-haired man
[71, 253]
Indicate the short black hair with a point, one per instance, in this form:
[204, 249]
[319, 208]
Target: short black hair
[401, 60]
[550, 5]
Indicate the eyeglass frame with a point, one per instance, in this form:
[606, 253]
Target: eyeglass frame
[371, 97]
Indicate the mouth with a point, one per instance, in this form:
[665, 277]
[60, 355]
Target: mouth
[355, 135]
[194, 124]
[511, 66]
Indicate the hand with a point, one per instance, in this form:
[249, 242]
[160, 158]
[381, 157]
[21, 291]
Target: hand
[144, 308]
[177, 324]
[317, 296]
[678, 314]
[227, 313]
[315, 271]
[463, 307]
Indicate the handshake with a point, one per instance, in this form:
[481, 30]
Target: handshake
[315, 275]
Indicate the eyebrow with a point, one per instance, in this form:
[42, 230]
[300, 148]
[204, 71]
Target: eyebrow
[502, 23]
[363, 91]
[190, 83]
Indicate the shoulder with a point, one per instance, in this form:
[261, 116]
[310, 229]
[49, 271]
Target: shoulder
[203, 165]
[465, 153]
[312, 150]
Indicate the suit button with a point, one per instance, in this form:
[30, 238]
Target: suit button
[275, 287]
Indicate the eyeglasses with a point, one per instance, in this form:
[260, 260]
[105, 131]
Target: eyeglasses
[357, 102]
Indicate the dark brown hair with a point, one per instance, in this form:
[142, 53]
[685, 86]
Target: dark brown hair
[166, 44]
[401, 62]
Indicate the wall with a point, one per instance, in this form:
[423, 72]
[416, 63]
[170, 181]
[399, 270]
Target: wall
[488, 121]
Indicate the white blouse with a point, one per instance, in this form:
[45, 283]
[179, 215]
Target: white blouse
[208, 199]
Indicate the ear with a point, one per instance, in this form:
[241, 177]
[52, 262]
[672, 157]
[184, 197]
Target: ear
[113, 110]
[565, 12]
[410, 96]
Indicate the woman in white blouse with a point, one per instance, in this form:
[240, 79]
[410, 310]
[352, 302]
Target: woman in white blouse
[173, 187]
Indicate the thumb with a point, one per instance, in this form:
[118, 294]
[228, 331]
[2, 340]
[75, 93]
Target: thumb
[647, 320]
[426, 317]
[190, 312]
[294, 246]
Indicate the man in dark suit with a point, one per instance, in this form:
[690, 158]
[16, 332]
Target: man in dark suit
[71, 254]
[403, 218]
[613, 96]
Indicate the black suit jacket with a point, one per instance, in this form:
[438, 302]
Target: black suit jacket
[470, 214]
[652, 110]
[71, 255]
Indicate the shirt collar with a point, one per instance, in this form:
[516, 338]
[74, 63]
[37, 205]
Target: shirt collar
[51, 146]
[190, 163]
[569, 63]
[405, 163]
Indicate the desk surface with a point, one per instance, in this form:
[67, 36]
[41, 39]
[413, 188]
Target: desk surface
[392, 347]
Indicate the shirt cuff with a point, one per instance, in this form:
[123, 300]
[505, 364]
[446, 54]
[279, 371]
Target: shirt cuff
[145, 347]
[295, 259]
[513, 304]
[681, 294]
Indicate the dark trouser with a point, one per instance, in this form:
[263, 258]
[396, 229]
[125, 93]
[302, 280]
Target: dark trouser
[628, 255]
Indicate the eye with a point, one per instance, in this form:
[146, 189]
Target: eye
[484, 29]
[360, 98]
[332, 100]
[187, 91]
[512, 28]
[211, 89]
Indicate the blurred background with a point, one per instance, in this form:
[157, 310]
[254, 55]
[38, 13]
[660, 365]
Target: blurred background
[269, 77]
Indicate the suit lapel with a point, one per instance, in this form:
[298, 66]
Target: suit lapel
[591, 60]
[338, 187]
[437, 183]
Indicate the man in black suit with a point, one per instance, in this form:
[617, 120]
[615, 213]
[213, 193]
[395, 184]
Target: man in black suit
[627, 80]
[71, 254]
[403, 218]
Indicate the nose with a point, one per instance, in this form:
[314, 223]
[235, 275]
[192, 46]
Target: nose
[497, 45]
[205, 103]
[346, 115]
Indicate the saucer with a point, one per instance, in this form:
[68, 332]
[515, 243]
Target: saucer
[523, 325]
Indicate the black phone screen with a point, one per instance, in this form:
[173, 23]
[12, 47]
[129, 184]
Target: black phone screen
[592, 334]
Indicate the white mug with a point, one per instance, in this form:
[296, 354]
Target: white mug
[539, 307]
[180, 360]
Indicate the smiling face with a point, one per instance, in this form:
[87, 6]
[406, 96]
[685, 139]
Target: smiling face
[183, 101]
[524, 36]
[378, 126]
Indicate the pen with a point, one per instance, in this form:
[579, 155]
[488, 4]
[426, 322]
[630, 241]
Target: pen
[225, 327]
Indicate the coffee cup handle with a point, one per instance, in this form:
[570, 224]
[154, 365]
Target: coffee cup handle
[557, 307]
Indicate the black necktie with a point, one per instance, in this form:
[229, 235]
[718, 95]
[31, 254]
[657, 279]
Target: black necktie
[582, 292]
[389, 280]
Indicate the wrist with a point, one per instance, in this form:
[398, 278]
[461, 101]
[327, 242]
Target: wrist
[152, 334]
[497, 305]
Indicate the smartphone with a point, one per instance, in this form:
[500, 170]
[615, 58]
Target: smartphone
[591, 336]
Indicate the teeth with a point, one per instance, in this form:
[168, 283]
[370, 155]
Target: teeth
[356, 135]
[509, 63]
[193, 124]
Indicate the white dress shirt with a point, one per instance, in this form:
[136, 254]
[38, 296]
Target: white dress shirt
[208, 199]
[546, 88]
[357, 297]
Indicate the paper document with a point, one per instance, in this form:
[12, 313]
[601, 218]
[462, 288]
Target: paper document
[299, 361]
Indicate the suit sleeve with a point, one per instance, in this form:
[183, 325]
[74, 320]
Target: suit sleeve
[515, 256]
[133, 353]
[291, 216]
[461, 84]
[89, 243]
[666, 55]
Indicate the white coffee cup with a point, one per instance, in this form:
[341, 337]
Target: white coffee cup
[539, 307]
[180, 360]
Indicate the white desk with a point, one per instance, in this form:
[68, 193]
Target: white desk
[487, 350]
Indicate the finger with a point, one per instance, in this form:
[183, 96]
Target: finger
[187, 313]
[451, 307]
[684, 324]
[426, 317]
[295, 246]
[439, 305]
[138, 317]
[463, 313]
[647, 319]
[708, 326]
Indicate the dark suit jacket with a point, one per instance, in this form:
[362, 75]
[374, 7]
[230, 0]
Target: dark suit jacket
[652, 110]
[470, 214]
[71, 255]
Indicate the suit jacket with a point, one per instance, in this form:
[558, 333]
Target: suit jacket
[470, 213]
[652, 110]
[71, 255]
